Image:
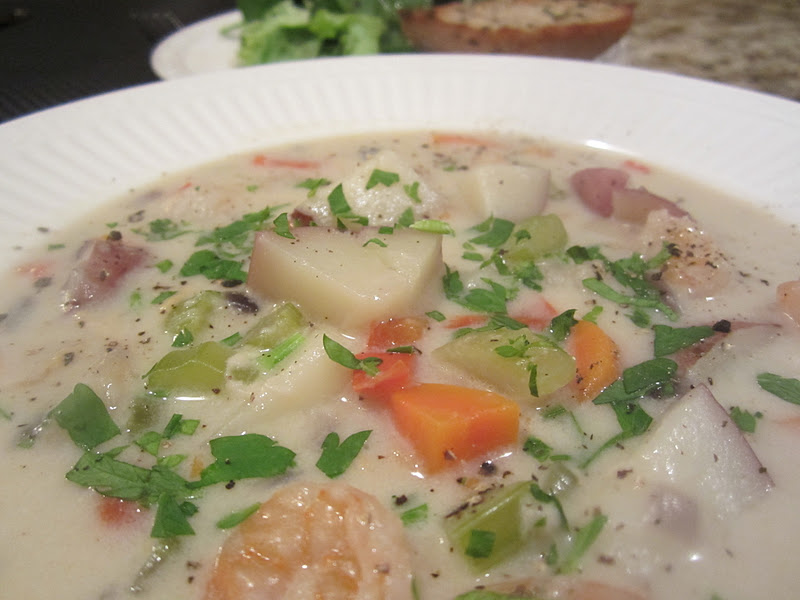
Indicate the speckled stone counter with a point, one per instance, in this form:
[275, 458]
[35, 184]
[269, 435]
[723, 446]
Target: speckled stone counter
[748, 43]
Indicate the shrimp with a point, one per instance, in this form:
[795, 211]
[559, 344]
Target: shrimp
[566, 588]
[697, 267]
[315, 541]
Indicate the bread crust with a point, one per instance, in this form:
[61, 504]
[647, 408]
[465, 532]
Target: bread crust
[560, 28]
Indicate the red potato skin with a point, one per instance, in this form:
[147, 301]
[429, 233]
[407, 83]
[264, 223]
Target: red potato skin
[428, 31]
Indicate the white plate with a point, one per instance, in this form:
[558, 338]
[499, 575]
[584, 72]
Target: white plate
[203, 47]
[212, 45]
[57, 164]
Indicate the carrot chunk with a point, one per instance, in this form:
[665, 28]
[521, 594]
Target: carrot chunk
[449, 423]
[394, 373]
[596, 359]
[401, 331]
[261, 160]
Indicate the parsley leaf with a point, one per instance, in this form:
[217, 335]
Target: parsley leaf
[233, 519]
[340, 207]
[339, 354]
[171, 518]
[496, 232]
[632, 274]
[235, 239]
[161, 230]
[85, 418]
[417, 514]
[745, 420]
[782, 387]
[336, 457]
[378, 177]
[281, 224]
[243, 457]
[312, 185]
[212, 266]
[581, 542]
[537, 449]
[412, 191]
[671, 339]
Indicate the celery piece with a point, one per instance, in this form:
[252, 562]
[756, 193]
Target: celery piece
[496, 516]
[558, 480]
[275, 327]
[504, 359]
[193, 314]
[195, 371]
[534, 238]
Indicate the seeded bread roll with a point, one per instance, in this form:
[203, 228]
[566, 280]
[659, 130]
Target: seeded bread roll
[565, 28]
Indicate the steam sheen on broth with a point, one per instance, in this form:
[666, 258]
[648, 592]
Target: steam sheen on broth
[658, 467]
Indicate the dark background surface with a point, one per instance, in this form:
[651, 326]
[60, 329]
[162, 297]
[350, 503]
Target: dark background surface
[55, 51]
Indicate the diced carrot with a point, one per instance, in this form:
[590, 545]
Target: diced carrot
[596, 359]
[394, 373]
[261, 160]
[402, 331]
[450, 423]
[116, 512]
[466, 321]
[185, 186]
[461, 139]
[537, 314]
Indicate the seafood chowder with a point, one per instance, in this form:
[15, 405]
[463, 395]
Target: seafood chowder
[424, 366]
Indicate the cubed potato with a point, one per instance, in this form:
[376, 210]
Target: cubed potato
[512, 192]
[696, 446]
[346, 278]
[304, 379]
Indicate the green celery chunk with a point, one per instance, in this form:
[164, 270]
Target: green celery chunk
[275, 336]
[496, 517]
[533, 239]
[558, 480]
[275, 327]
[196, 371]
[503, 358]
[193, 314]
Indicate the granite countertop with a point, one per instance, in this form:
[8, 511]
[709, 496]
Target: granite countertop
[749, 43]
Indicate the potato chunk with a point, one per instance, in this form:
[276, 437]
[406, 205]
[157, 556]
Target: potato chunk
[512, 192]
[347, 278]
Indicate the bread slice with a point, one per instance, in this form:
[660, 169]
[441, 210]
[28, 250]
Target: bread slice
[565, 28]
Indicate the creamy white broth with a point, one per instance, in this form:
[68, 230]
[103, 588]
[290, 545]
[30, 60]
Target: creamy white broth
[52, 526]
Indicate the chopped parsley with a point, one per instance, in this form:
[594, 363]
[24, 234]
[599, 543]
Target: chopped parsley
[339, 354]
[783, 387]
[336, 457]
[161, 230]
[671, 339]
[417, 514]
[341, 209]
[632, 275]
[379, 177]
[745, 420]
[312, 185]
[85, 418]
[160, 298]
[233, 519]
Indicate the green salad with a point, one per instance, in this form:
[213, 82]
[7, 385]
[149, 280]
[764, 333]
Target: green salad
[278, 30]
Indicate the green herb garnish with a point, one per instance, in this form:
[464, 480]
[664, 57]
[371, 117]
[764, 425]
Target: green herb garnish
[339, 354]
[233, 519]
[671, 339]
[783, 387]
[336, 457]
